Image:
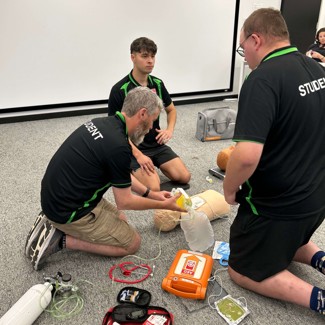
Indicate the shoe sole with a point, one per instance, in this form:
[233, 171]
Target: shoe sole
[38, 246]
[33, 233]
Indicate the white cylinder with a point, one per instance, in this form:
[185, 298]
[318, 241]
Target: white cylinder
[26, 310]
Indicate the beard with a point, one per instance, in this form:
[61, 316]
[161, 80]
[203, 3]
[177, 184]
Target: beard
[139, 133]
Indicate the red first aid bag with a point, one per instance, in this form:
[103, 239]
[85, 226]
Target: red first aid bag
[134, 309]
[130, 314]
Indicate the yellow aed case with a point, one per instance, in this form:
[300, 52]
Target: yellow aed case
[188, 275]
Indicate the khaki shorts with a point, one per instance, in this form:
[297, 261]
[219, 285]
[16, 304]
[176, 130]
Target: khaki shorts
[101, 226]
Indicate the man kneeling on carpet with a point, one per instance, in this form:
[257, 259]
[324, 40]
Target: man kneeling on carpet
[277, 178]
[92, 159]
[153, 151]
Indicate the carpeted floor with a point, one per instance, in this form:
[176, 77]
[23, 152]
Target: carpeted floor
[25, 151]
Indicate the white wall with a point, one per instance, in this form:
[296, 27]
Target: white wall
[246, 8]
[67, 51]
[321, 19]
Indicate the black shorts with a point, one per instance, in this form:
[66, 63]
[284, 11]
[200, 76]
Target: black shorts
[159, 155]
[260, 247]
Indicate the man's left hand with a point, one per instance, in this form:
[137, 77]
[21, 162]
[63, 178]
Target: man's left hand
[163, 136]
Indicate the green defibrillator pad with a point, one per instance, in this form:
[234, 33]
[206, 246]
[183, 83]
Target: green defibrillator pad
[231, 310]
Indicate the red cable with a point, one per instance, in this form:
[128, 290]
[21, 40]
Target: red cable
[128, 272]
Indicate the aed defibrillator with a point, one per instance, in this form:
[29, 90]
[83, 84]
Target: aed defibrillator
[189, 274]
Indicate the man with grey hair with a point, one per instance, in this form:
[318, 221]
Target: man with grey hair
[92, 159]
[277, 169]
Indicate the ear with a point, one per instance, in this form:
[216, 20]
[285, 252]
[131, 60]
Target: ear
[142, 112]
[258, 39]
[132, 57]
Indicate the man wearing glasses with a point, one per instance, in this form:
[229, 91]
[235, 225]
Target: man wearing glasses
[277, 169]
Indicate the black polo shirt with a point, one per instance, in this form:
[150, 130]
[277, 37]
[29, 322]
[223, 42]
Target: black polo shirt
[92, 159]
[282, 105]
[121, 89]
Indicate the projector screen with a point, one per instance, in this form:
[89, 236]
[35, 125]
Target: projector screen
[74, 51]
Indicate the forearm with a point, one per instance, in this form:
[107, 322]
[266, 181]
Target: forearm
[241, 165]
[135, 202]
[126, 200]
[237, 173]
[171, 119]
[137, 186]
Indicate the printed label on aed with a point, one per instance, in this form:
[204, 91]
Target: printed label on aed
[191, 265]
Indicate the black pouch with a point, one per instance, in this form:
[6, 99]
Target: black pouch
[140, 297]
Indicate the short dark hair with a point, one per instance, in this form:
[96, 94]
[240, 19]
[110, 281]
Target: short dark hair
[143, 44]
[322, 30]
[267, 21]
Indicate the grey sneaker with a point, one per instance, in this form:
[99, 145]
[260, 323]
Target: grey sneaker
[34, 231]
[46, 244]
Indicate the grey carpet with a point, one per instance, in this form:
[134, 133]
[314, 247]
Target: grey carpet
[25, 150]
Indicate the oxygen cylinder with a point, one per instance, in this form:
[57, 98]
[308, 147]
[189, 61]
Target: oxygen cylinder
[26, 310]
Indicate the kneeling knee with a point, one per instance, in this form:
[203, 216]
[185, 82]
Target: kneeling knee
[134, 245]
[236, 277]
[184, 178]
[187, 178]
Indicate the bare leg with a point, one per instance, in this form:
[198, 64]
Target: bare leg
[176, 171]
[284, 286]
[106, 250]
[152, 181]
[305, 253]
[77, 244]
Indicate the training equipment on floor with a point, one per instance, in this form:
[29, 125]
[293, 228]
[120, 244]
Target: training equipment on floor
[211, 202]
[217, 172]
[223, 157]
[27, 309]
[197, 230]
[188, 275]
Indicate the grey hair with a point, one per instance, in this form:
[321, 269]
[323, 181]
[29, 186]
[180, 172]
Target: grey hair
[141, 97]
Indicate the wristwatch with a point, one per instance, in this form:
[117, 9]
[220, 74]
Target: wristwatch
[146, 193]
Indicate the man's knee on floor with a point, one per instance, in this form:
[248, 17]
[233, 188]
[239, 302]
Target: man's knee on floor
[238, 278]
[182, 178]
[186, 178]
[134, 245]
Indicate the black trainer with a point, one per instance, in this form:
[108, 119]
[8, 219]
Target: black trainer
[47, 243]
[34, 231]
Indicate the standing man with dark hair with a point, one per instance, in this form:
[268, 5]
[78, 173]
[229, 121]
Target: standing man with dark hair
[277, 169]
[153, 151]
[92, 159]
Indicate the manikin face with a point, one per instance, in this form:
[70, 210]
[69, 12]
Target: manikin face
[143, 62]
[321, 38]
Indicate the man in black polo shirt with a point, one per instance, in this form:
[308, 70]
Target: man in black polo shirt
[153, 151]
[277, 169]
[94, 158]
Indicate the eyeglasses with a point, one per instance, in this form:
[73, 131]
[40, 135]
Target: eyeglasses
[240, 49]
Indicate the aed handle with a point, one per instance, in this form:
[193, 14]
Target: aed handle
[198, 294]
